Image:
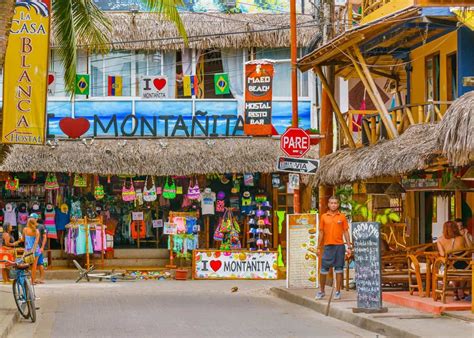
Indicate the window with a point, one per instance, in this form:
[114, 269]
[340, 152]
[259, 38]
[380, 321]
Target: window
[432, 77]
[56, 67]
[452, 77]
[282, 77]
[147, 64]
[113, 64]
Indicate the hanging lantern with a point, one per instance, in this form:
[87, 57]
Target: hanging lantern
[33, 176]
[108, 179]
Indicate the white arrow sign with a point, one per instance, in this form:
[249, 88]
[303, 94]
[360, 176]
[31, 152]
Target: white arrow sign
[297, 165]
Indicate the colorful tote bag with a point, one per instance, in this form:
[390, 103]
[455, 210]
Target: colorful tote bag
[51, 182]
[169, 190]
[80, 181]
[194, 193]
[99, 192]
[128, 194]
[149, 195]
[12, 184]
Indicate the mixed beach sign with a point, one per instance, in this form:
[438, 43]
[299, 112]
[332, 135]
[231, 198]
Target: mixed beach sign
[215, 264]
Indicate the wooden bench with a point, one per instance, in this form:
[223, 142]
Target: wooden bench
[445, 273]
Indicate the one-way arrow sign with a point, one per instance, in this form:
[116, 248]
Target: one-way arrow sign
[297, 165]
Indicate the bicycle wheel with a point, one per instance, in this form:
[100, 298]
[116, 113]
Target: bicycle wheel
[19, 293]
[30, 300]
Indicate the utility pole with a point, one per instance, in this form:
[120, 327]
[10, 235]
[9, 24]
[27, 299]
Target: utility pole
[294, 87]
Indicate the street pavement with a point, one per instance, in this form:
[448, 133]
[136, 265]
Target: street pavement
[175, 309]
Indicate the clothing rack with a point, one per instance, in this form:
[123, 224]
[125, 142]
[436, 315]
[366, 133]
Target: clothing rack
[89, 224]
[171, 215]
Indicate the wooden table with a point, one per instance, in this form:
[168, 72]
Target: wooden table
[430, 259]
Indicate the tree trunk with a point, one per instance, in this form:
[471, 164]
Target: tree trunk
[6, 14]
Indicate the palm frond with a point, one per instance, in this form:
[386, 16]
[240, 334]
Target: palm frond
[66, 40]
[169, 9]
[75, 20]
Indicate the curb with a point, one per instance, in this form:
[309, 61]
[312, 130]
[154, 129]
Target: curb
[344, 315]
[10, 323]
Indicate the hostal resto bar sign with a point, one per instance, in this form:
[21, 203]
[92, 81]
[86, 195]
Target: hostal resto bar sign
[258, 97]
[26, 73]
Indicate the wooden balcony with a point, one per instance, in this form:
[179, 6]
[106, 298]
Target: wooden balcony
[367, 128]
[376, 9]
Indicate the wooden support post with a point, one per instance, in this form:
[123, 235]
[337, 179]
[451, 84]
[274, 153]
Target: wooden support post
[373, 130]
[363, 70]
[335, 106]
[206, 231]
[365, 124]
[421, 114]
[410, 116]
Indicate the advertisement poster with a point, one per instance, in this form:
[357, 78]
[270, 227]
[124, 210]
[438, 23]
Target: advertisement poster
[258, 98]
[154, 87]
[215, 264]
[169, 228]
[26, 74]
[137, 216]
[302, 232]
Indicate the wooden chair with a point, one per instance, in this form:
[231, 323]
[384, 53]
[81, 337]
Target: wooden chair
[419, 267]
[444, 272]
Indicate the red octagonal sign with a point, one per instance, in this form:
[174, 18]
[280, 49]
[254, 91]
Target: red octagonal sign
[295, 142]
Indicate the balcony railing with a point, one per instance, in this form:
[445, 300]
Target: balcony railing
[367, 126]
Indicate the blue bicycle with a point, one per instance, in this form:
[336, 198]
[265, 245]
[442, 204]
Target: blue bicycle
[23, 290]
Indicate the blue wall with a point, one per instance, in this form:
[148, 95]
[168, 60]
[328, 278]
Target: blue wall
[465, 58]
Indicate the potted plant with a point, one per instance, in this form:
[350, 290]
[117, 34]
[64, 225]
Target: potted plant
[313, 131]
[181, 272]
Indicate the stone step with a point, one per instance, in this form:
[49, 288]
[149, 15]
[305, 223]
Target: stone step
[126, 253]
[73, 274]
[116, 262]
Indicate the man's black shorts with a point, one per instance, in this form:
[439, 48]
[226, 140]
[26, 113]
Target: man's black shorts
[333, 257]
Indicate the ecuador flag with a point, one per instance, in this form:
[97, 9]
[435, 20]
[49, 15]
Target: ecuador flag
[115, 86]
[190, 85]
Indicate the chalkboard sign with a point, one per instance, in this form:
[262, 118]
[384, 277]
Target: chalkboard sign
[366, 239]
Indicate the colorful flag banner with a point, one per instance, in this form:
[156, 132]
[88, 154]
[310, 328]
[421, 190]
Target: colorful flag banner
[114, 86]
[25, 84]
[82, 84]
[190, 85]
[154, 87]
[221, 84]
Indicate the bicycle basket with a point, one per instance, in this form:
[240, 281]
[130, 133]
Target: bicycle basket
[28, 258]
[13, 273]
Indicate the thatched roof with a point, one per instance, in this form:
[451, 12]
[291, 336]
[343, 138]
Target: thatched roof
[413, 150]
[161, 157]
[456, 133]
[147, 31]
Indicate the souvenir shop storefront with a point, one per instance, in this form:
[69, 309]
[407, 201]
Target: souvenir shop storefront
[176, 193]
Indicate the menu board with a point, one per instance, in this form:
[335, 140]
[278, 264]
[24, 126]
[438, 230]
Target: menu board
[366, 239]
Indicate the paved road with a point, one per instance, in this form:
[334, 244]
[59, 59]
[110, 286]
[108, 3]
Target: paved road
[174, 309]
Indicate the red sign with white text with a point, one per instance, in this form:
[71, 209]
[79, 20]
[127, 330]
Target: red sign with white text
[295, 142]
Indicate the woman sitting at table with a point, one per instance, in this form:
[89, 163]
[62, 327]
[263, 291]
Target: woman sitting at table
[7, 244]
[449, 241]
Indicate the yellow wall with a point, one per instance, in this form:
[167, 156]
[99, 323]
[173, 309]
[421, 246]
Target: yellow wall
[445, 45]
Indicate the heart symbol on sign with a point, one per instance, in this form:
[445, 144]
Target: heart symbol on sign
[74, 128]
[215, 265]
[159, 83]
[50, 79]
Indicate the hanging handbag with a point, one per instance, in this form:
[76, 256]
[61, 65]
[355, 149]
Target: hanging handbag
[194, 193]
[99, 192]
[80, 181]
[12, 184]
[51, 182]
[169, 190]
[218, 234]
[128, 194]
[149, 195]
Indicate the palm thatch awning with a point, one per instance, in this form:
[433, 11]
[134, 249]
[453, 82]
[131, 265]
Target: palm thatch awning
[161, 157]
[148, 31]
[456, 133]
[411, 151]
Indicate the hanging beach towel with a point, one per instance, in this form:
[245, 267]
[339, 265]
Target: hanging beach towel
[169, 190]
[51, 182]
[149, 195]
[12, 184]
[128, 194]
[80, 181]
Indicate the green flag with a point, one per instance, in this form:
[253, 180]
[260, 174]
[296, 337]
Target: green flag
[221, 84]
[82, 84]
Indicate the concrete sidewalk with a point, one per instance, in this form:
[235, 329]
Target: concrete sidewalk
[397, 322]
[8, 311]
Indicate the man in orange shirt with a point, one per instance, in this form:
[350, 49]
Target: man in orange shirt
[333, 227]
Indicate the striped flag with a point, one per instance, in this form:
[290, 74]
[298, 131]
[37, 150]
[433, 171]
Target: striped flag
[114, 86]
[190, 85]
